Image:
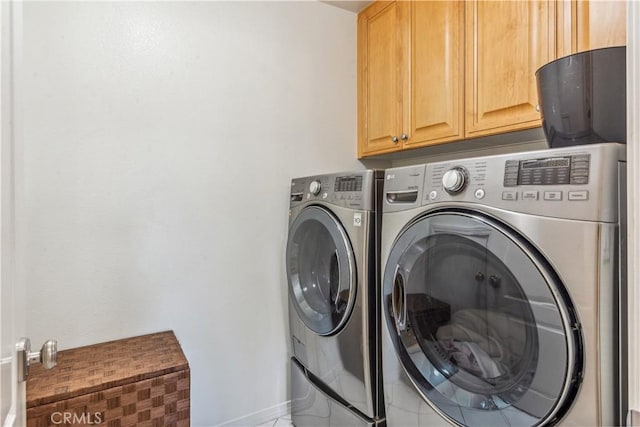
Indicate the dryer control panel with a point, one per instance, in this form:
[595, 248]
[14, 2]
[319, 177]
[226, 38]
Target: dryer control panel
[354, 190]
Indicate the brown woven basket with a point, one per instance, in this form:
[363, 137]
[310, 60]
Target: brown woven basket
[140, 381]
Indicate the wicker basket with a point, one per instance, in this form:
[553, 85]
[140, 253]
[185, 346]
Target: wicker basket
[141, 381]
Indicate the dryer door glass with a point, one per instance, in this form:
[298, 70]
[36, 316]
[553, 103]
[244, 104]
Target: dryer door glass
[480, 322]
[321, 271]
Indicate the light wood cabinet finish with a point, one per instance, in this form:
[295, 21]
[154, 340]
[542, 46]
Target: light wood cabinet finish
[410, 75]
[379, 83]
[600, 24]
[434, 98]
[441, 71]
[506, 42]
[585, 25]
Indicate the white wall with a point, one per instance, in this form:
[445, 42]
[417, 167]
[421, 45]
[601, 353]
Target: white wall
[159, 141]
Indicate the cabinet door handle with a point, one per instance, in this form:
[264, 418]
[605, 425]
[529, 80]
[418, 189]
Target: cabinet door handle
[404, 137]
[394, 139]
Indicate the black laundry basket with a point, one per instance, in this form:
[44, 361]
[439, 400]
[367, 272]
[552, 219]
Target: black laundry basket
[583, 98]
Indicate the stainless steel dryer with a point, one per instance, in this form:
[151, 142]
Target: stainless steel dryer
[332, 262]
[500, 289]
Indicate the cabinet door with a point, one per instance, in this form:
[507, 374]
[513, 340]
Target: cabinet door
[434, 101]
[379, 79]
[584, 25]
[507, 41]
[600, 24]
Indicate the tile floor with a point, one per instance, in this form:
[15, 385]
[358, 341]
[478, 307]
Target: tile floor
[284, 421]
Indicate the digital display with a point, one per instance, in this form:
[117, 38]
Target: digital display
[348, 183]
[558, 162]
[569, 170]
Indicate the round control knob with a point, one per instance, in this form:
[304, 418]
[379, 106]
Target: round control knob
[454, 180]
[315, 187]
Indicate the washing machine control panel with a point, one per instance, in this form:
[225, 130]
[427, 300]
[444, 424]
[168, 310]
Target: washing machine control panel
[573, 182]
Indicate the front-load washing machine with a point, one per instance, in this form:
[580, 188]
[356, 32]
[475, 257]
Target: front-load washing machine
[500, 290]
[332, 264]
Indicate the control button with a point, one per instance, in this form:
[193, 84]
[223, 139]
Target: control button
[324, 195]
[529, 195]
[580, 180]
[580, 157]
[579, 195]
[479, 194]
[580, 172]
[511, 166]
[433, 194]
[553, 195]
[315, 187]
[509, 195]
[580, 165]
[358, 196]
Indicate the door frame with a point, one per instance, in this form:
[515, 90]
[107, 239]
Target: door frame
[12, 296]
[633, 204]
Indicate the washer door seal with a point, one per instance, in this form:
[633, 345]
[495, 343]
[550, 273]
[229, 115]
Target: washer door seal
[488, 334]
[320, 270]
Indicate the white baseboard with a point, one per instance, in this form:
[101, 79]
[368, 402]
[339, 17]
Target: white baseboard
[259, 417]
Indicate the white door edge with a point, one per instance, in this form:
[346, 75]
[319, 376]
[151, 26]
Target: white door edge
[633, 209]
[12, 322]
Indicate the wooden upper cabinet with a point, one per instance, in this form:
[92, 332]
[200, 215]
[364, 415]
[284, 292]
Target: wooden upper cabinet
[506, 42]
[438, 71]
[600, 24]
[410, 75]
[379, 91]
[434, 97]
[584, 25]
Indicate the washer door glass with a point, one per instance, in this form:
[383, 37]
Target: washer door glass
[321, 271]
[480, 323]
